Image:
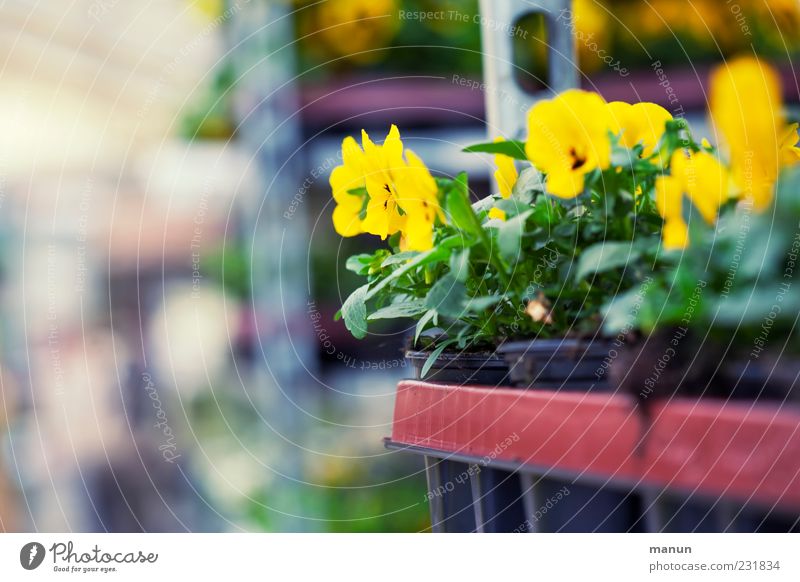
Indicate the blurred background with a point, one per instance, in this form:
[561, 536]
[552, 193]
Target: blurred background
[169, 272]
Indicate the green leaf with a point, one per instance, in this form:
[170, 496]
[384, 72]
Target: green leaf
[354, 312]
[512, 206]
[461, 213]
[529, 183]
[399, 258]
[423, 321]
[510, 233]
[511, 148]
[398, 310]
[358, 264]
[565, 230]
[447, 297]
[434, 255]
[622, 312]
[434, 355]
[459, 265]
[481, 303]
[485, 204]
[602, 257]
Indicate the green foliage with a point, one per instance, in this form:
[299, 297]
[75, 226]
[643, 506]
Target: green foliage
[573, 256]
[734, 281]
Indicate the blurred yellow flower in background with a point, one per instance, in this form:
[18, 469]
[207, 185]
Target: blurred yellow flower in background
[496, 213]
[700, 177]
[640, 123]
[781, 18]
[747, 108]
[568, 138]
[506, 174]
[592, 33]
[349, 28]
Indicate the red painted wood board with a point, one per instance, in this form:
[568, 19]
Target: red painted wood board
[724, 449]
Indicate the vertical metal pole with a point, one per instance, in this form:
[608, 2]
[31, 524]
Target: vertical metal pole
[435, 503]
[261, 38]
[477, 497]
[506, 102]
[653, 511]
[529, 500]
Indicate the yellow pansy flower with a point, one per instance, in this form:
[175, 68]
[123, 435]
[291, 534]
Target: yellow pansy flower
[703, 180]
[506, 174]
[381, 165]
[345, 178]
[400, 193]
[746, 107]
[495, 212]
[568, 138]
[640, 123]
[418, 196]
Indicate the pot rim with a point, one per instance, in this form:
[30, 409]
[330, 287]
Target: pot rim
[488, 360]
[595, 346]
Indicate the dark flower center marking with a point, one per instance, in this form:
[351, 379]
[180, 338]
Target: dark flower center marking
[577, 161]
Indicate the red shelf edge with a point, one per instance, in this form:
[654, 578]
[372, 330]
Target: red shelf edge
[733, 450]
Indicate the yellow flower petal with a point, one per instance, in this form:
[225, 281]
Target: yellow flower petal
[746, 108]
[564, 183]
[790, 153]
[506, 174]
[495, 212]
[703, 179]
[568, 138]
[418, 233]
[675, 234]
[669, 197]
[346, 220]
[640, 123]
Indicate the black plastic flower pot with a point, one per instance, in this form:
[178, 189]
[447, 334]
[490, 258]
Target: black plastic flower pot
[462, 368]
[582, 366]
[559, 364]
